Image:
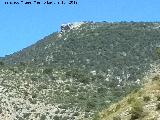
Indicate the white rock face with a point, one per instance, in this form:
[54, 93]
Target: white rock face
[93, 72]
[70, 26]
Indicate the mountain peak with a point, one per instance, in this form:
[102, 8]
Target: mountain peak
[69, 26]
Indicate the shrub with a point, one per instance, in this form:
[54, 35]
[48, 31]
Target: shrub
[33, 78]
[130, 100]
[26, 115]
[76, 114]
[101, 90]
[158, 106]
[1, 63]
[158, 51]
[137, 110]
[1, 110]
[33, 101]
[84, 79]
[56, 117]
[117, 107]
[42, 86]
[146, 98]
[156, 78]
[158, 98]
[34, 95]
[116, 118]
[80, 75]
[43, 117]
[22, 64]
[47, 71]
[66, 118]
[91, 104]
[96, 117]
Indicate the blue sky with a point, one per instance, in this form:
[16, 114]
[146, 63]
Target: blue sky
[23, 25]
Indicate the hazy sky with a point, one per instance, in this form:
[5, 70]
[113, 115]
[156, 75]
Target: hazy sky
[22, 25]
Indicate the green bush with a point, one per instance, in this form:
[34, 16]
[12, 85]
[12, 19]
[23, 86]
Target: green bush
[42, 86]
[43, 117]
[34, 95]
[76, 114]
[34, 78]
[91, 104]
[158, 98]
[156, 78]
[96, 117]
[56, 117]
[146, 98]
[79, 75]
[1, 63]
[118, 107]
[22, 64]
[47, 70]
[33, 101]
[26, 115]
[130, 100]
[158, 51]
[84, 79]
[116, 118]
[158, 106]
[137, 110]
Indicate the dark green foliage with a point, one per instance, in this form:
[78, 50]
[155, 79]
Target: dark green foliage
[1, 110]
[91, 104]
[137, 110]
[66, 118]
[146, 98]
[79, 75]
[33, 101]
[34, 95]
[101, 90]
[158, 51]
[76, 114]
[56, 117]
[117, 107]
[47, 70]
[34, 78]
[23, 64]
[116, 118]
[130, 100]
[158, 106]
[56, 112]
[158, 98]
[156, 78]
[26, 115]
[96, 117]
[1, 63]
[43, 117]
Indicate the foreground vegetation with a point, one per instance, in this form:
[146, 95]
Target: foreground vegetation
[141, 104]
[36, 93]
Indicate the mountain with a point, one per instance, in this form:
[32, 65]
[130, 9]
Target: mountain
[94, 46]
[74, 73]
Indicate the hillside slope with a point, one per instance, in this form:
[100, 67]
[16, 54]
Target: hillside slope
[72, 74]
[143, 104]
[95, 46]
[122, 51]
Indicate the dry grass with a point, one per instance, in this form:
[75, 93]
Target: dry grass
[142, 104]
